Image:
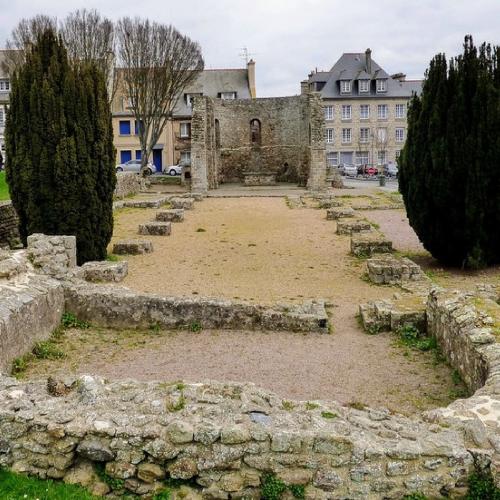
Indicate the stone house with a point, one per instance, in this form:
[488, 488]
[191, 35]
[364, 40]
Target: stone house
[365, 110]
[174, 145]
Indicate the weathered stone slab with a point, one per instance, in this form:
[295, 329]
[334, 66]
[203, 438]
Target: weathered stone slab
[52, 255]
[259, 179]
[366, 244]
[184, 203]
[132, 247]
[391, 270]
[336, 213]
[155, 228]
[173, 215]
[105, 271]
[145, 203]
[352, 226]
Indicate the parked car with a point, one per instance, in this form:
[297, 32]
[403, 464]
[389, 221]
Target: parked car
[173, 170]
[391, 170]
[350, 170]
[135, 166]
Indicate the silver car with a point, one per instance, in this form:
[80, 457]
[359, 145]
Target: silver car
[173, 170]
[135, 166]
[350, 170]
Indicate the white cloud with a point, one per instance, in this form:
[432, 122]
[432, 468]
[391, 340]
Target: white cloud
[291, 37]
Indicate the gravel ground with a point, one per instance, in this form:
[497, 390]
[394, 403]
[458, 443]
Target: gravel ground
[258, 249]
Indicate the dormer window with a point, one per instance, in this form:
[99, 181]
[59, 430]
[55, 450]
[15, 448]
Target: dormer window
[345, 86]
[189, 98]
[381, 85]
[364, 85]
[227, 95]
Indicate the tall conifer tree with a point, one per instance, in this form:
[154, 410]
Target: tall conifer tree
[449, 167]
[59, 143]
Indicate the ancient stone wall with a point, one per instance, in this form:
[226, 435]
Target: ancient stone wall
[115, 307]
[290, 145]
[9, 223]
[127, 184]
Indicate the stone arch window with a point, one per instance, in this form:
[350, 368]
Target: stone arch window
[255, 135]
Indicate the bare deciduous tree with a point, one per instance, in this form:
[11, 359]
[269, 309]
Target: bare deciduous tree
[157, 62]
[23, 36]
[89, 37]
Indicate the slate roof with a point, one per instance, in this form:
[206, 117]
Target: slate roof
[212, 81]
[352, 66]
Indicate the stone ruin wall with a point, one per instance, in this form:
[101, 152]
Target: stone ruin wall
[9, 223]
[128, 184]
[221, 437]
[292, 132]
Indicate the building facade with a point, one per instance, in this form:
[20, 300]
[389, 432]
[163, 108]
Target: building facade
[365, 110]
[174, 145]
[4, 99]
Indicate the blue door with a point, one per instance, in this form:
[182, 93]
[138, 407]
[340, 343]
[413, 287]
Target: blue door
[125, 155]
[157, 159]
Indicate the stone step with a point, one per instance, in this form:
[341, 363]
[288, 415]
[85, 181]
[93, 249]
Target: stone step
[336, 213]
[185, 203]
[132, 247]
[366, 244]
[353, 226]
[156, 228]
[173, 215]
[391, 270]
[97, 271]
[153, 203]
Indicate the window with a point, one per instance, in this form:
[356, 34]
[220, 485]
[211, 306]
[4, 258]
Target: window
[332, 159]
[362, 158]
[185, 130]
[186, 157]
[382, 111]
[255, 128]
[364, 85]
[345, 86]
[398, 153]
[124, 127]
[346, 111]
[138, 154]
[400, 135]
[227, 95]
[400, 110]
[329, 135]
[382, 135]
[364, 134]
[2, 117]
[346, 135]
[381, 85]
[189, 98]
[364, 111]
[125, 155]
[382, 157]
[4, 85]
[328, 112]
[137, 125]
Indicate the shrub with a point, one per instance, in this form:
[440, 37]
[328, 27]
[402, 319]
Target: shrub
[449, 166]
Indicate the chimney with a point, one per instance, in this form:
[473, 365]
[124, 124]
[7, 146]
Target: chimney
[368, 54]
[304, 86]
[251, 78]
[399, 76]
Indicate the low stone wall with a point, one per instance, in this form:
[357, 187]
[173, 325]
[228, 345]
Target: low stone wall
[115, 307]
[127, 184]
[30, 309]
[9, 223]
[222, 438]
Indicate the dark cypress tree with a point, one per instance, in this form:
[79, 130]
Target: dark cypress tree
[449, 166]
[59, 143]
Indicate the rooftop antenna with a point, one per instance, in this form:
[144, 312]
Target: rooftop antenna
[244, 54]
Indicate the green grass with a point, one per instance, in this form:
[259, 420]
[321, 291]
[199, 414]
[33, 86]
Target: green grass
[4, 189]
[16, 486]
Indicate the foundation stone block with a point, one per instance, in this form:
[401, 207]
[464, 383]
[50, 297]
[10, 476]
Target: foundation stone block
[132, 247]
[183, 203]
[352, 226]
[105, 271]
[336, 213]
[173, 215]
[156, 228]
[366, 244]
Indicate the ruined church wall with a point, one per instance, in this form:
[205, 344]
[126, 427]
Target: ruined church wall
[282, 135]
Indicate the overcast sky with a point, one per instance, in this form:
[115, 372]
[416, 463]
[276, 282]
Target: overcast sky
[288, 38]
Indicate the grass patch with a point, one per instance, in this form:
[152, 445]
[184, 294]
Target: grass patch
[113, 482]
[410, 336]
[16, 486]
[69, 320]
[287, 405]
[111, 257]
[179, 405]
[4, 189]
[195, 327]
[357, 405]
[328, 414]
[311, 406]
[482, 487]
[273, 488]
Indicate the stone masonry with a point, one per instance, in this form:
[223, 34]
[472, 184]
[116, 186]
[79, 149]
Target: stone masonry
[9, 222]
